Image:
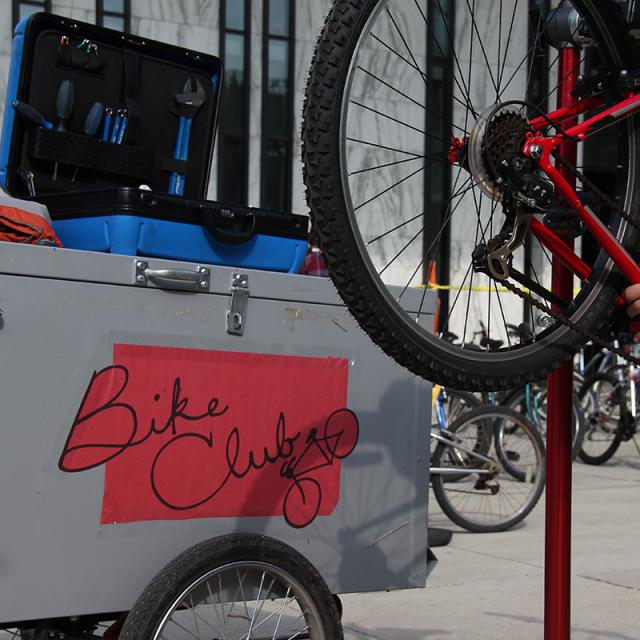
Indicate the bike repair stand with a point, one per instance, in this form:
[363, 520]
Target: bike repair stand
[557, 588]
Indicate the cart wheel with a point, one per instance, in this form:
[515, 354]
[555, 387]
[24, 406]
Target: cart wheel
[236, 586]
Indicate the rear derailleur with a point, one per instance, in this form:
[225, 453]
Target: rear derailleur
[524, 192]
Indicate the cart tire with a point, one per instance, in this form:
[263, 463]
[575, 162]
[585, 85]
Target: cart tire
[235, 584]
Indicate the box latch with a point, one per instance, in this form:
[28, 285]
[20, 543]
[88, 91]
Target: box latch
[237, 312]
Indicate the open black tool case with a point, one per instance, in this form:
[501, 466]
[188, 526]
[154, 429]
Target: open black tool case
[92, 115]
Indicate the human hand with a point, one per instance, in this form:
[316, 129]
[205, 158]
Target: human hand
[632, 298]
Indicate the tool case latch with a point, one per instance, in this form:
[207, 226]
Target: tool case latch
[237, 312]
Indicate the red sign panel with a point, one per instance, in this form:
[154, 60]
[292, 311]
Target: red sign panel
[186, 433]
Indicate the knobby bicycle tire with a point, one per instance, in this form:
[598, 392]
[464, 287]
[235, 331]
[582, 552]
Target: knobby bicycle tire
[374, 306]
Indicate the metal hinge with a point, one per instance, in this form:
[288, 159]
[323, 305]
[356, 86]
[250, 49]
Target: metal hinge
[237, 312]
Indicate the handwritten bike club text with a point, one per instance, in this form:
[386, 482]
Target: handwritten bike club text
[179, 449]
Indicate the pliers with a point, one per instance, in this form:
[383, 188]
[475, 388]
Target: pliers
[189, 101]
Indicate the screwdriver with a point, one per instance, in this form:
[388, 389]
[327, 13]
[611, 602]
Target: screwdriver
[91, 125]
[107, 124]
[31, 114]
[64, 108]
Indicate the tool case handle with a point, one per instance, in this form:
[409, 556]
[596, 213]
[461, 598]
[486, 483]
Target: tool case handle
[227, 227]
[228, 224]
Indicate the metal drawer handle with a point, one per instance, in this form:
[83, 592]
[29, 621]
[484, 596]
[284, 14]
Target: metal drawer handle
[180, 278]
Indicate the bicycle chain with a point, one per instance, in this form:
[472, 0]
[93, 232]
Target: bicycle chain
[592, 187]
[585, 333]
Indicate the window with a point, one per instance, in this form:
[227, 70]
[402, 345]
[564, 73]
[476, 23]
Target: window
[538, 93]
[23, 9]
[277, 105]
[233, 172]
[114, 14]
[437, 176]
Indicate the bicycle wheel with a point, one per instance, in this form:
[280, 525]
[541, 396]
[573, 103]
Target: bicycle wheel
[602, 398]
[533, 405]
[391, 85]
[490, 497]
[458, 402]
[237, 586]
[476, 438]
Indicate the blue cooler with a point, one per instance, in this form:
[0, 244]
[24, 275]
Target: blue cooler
[91, 115]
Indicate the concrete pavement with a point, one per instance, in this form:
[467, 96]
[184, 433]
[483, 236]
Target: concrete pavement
[490, 586]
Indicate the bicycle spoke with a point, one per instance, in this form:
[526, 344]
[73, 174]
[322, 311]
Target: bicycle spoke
[482, 48]
[506, 50]
[386, 165]
[465, 89]
[381, 146]
[433, 244]
[410, 99]
[393, 186]
[504, 320]
[409, 63]
[388, 117]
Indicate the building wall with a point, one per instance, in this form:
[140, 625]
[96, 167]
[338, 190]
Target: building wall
[195, 24]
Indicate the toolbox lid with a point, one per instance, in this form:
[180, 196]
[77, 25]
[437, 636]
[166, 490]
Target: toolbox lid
[119, 71]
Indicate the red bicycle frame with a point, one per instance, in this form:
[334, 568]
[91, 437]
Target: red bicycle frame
[540, 149]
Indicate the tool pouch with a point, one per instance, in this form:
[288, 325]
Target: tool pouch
[89, 153]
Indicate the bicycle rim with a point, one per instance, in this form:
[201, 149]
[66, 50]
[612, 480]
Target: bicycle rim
[533, 405]
[601, 401]
[384, 240]
[498, 501]
[239, 600]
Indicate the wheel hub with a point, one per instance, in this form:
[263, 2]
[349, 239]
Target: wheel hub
[498, 132]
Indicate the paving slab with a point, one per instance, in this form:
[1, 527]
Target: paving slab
[491, 586]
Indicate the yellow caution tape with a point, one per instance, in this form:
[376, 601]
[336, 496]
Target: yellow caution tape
[443, 287]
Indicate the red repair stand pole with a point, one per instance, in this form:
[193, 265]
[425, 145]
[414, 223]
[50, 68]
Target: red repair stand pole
[557, 598]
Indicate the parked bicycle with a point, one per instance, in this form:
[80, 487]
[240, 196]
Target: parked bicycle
[488, 469]
[531, 401]
[611, 403]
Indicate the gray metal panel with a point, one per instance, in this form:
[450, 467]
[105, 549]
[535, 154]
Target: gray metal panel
[55, 556]
[68, 264]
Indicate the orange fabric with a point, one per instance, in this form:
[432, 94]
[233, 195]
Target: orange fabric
[17, 225]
